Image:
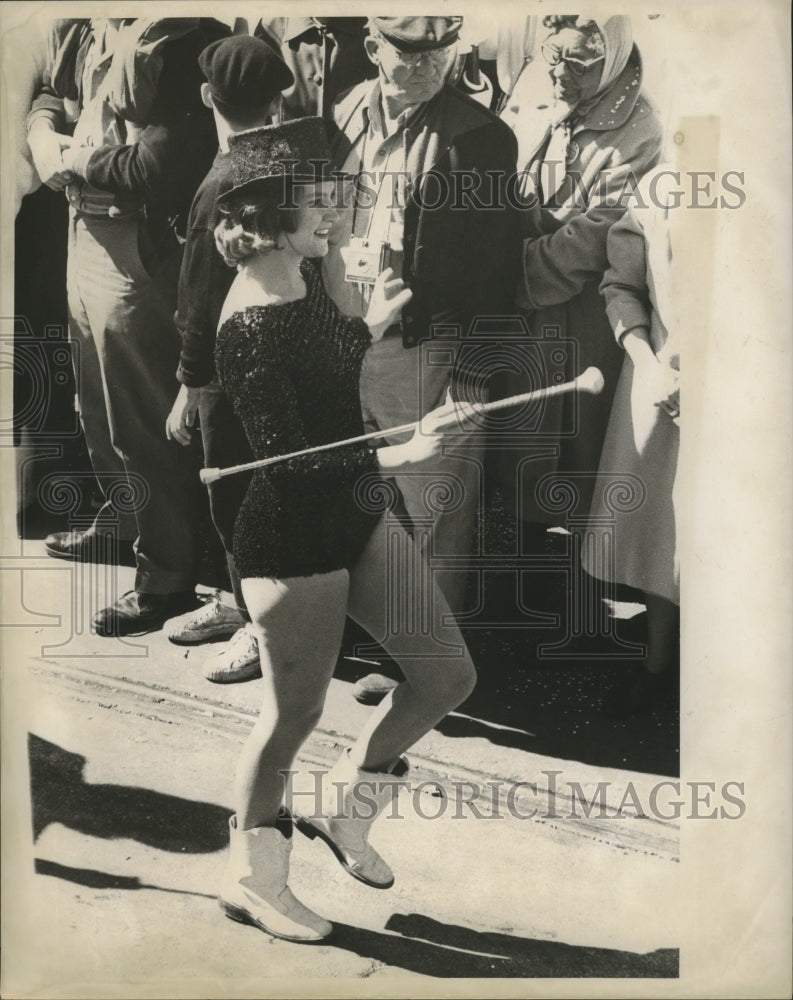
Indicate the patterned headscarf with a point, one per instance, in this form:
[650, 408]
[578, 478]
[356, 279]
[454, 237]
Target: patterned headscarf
[618, 42]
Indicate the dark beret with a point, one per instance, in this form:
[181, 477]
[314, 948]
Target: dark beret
[244, 74]
[419, 34]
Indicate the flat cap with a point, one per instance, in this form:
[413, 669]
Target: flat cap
[419, 34]
[244, 74]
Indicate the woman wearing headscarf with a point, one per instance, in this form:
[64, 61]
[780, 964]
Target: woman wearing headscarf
[586, 135]
[632, 534]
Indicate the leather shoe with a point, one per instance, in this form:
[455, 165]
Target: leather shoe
[80, 546]
[135, 613]
[371, 690]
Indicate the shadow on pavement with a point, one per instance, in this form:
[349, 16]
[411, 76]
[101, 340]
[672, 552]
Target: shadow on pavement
[93, 879]
[425, 946]
[60, 794]
[548, 706]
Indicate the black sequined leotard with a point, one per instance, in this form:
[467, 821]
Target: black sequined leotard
[291, 372]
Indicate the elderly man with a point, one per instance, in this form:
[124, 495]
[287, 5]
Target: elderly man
[432, 169]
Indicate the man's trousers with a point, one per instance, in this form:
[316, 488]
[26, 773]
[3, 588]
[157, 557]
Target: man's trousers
[125, 352]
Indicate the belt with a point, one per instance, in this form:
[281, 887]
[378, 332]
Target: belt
[91, 201]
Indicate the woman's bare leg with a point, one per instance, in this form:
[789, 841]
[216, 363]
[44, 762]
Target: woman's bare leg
[439, 673]
[299, 624]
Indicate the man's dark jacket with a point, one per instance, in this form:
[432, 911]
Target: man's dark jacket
[461, 261]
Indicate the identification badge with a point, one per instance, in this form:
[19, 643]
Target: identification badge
[365, 261]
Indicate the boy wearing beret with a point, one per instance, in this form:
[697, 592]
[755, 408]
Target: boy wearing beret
[244, 81]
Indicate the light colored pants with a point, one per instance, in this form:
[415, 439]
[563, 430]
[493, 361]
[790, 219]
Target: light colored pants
[125, 352]
[400, 385]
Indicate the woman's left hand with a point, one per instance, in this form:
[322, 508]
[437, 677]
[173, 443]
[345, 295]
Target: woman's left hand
[389, 297]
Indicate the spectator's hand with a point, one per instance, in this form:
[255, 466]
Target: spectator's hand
[69, 158]
[181, 420]
[663, 384]
[46, 147]
[389, 297]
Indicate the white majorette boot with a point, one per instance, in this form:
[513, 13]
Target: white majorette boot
[352, 799]
[254, 889]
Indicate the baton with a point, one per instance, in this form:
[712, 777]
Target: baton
[590, 381]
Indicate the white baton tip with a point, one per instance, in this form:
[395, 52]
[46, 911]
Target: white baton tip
[209, 476]
[590, 380]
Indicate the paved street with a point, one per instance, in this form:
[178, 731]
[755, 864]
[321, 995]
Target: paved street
[131, 754]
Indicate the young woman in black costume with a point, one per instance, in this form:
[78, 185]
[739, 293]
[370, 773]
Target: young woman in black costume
[309, 547]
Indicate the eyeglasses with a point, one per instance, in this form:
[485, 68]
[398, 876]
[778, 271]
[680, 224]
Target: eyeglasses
[553, 55]
[435, 56]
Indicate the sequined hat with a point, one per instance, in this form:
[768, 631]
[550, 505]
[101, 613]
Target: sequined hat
[292, 152]
[419, 34]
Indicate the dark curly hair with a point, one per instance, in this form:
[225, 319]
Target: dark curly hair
[253, 223]
[593, 40]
